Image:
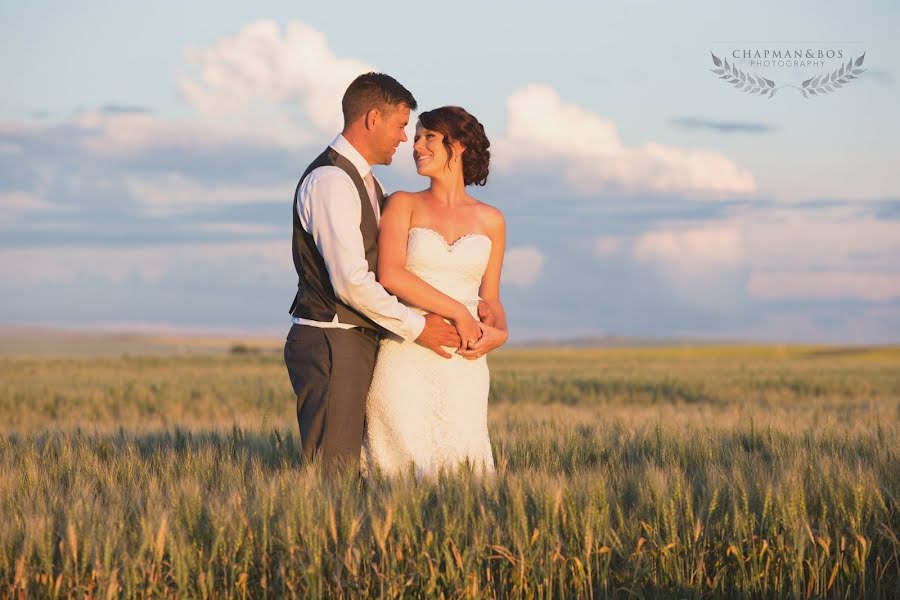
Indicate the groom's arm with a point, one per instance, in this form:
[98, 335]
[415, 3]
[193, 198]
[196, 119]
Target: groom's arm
[329, 209]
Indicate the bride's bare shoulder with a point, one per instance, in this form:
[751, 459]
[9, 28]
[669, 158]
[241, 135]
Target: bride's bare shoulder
[401, 200]
[491, 216]
[404, 196]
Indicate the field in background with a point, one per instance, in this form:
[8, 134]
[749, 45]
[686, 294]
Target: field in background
[24, 341]
[691, 471]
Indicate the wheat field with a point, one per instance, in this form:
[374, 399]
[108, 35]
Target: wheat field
[682, 472]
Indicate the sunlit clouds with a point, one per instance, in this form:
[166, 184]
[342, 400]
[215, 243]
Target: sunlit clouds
[260, 72]
[139, 214]
[523, 266]
[546, 134]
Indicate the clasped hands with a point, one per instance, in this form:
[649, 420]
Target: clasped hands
[487, 337]
[472, 338]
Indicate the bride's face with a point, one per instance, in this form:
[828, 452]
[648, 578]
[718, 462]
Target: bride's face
[429, 152]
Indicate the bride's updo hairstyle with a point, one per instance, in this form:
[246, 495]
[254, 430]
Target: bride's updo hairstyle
[457, 125]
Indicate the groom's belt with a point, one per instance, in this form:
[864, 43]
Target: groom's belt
[372, 333]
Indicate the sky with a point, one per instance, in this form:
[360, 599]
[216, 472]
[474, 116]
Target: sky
[149, 153]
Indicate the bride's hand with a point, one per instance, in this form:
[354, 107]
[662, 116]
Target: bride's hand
[491, 339]
[469, 330]
[486, 314]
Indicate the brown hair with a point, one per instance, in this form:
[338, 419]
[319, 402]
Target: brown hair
[374, 90]
[457, 125]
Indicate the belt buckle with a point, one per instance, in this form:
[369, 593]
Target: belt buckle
[372, 333]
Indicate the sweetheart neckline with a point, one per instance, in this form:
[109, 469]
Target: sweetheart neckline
[452, 245]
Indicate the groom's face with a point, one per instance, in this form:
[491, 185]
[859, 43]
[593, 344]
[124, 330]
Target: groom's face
[389, 132]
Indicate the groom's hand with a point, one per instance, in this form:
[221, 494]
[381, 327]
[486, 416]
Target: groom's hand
[486, 314]
[437, 333]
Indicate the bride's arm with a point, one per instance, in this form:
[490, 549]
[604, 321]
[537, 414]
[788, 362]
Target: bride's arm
[393, 231]
[496, 336]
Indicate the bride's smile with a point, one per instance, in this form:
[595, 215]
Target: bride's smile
[429, 152]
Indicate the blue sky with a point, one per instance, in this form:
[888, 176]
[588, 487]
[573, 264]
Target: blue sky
[148, 153]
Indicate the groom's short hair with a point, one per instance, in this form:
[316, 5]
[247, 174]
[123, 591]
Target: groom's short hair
[374, 90]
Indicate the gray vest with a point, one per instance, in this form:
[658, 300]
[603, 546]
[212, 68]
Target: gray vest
[315, 299]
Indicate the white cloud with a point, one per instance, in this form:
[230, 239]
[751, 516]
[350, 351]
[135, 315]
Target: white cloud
[122, 135]
[260, 65]
[163, 195]
[18, 201]
[700, 265]
[776, 285]
[691, 250]
[793, 238]
[828, 253]
[536, 115]
[15, 204]
[522, 266]
[116, 134]
[773, 253]
[543, 132]
[258, 93]
[258, 88]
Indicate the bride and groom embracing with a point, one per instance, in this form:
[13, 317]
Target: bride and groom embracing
[390, 371]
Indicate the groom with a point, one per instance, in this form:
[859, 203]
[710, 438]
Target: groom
[340, 311]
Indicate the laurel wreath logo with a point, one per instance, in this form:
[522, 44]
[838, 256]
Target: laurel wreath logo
[836, 79]
[753, 83]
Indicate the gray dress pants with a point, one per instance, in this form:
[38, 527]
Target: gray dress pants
[330, 371]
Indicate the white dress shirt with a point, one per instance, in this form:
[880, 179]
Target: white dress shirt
[330, 211]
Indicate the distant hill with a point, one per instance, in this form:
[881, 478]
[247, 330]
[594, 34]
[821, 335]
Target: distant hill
[28, 340]
[613, 341]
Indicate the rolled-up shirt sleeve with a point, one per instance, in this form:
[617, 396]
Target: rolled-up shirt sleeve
[329, 208]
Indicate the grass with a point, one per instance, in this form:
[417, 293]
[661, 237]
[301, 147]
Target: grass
[738, 471]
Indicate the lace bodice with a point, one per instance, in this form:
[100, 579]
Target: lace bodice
[455, 269]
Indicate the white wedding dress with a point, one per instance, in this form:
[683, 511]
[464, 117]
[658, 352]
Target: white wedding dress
[425, 410]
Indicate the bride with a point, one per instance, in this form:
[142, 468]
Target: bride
[439, 251]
